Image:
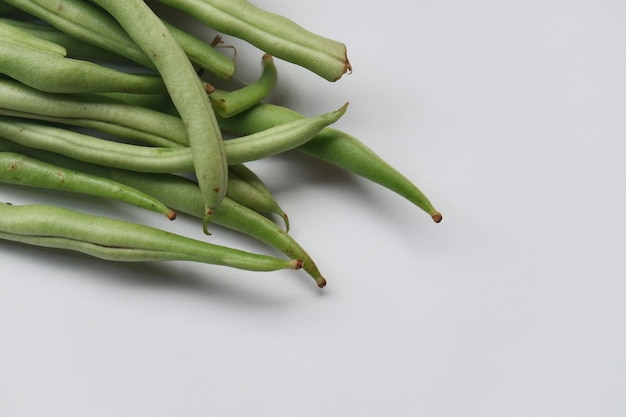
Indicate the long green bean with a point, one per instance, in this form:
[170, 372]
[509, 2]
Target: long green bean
[87, 148]
[187, 93]
[336, 147]
[120, 240]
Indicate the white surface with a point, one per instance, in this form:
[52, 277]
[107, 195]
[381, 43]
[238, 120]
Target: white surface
[509, 115]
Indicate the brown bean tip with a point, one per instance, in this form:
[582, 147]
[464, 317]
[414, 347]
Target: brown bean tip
[321, 282]
[437, 217]
[171, 214]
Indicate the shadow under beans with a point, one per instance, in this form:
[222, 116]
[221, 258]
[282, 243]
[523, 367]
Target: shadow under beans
[294, 171]
[212, 282]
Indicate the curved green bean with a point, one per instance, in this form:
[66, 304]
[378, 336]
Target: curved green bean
[186, 91]
[19, 169]
[120, 240]
[230, 103]
[274, 34]
[336, 147]
[53, 73]
[16, 36]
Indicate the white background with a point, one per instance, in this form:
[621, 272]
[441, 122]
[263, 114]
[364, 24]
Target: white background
[510, 115]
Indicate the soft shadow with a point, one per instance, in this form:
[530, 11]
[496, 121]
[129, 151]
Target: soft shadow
[226, 285]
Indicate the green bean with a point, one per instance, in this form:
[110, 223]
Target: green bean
[73, 47]
[187, 93]
[53, 73]
[202, 54]
[230, 103]
[183, 195]
[91, 25]
[20, 169]
[121, 132]
[336, 147]
[135, 121]
[120, 240]
[245, 187]
[16, 36]
[157, 159]
[83, 21]
[241, 148]
[271, 33]
[158, 102]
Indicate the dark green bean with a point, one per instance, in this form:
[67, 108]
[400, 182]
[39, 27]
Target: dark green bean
[4, 8]
[336, 147]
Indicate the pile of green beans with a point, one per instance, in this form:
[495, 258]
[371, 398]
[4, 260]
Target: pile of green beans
[153, 134]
